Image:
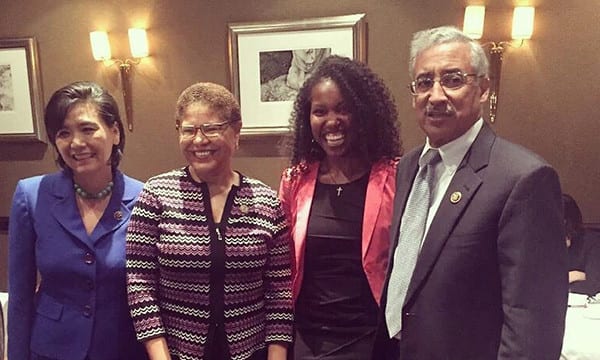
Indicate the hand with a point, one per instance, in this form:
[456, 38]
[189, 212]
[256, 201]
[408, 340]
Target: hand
[277, 352]
[157, 349]
[576, 275]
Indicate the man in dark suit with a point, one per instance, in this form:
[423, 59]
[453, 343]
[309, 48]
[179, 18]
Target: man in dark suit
[489, 276]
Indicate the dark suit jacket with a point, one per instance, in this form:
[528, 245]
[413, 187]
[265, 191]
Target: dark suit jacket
[491, 279]
[80, 307]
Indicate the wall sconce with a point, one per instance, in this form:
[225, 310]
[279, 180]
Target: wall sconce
[138, 44]
[522, 29]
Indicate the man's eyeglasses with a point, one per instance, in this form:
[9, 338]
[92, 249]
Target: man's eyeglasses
[448, 81]
[208, 130]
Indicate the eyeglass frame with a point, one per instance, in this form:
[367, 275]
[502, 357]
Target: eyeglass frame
[413, 84]
[224, 125]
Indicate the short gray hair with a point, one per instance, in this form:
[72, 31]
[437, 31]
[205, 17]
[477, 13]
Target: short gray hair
[426, 39]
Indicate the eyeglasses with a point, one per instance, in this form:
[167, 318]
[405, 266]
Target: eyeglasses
[208, 130]
[449, 81]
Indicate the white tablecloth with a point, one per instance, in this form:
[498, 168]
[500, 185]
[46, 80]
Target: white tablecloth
[582, 334]
[4, 304]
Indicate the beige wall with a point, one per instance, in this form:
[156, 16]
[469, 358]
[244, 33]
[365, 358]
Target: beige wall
[548, 96]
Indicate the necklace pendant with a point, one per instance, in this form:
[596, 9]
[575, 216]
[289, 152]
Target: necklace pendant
[339, 191]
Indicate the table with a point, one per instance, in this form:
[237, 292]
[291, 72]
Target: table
[582, 334]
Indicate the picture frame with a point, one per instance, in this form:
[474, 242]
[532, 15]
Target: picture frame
[21, 109]
[259, 53]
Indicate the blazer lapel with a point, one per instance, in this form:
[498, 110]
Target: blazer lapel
[116, 213]
[375, 186]
[466, 180]
[65, 210]
[304, 197]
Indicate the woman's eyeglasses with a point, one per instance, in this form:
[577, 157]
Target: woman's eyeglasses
[211, 130]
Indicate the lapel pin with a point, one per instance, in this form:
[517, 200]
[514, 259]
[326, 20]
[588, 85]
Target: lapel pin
[118, 215]
[244, 209]
[455, 197]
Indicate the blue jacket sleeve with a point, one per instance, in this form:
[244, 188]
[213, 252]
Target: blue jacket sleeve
[22, 275]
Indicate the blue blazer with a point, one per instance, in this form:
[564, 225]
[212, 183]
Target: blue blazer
[80, 308]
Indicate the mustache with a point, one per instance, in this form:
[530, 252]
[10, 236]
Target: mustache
[444, 110]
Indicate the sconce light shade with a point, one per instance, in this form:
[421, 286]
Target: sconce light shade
[473, 22]
[522, 29]
[522, 26]
[100, 45]
[138, 42]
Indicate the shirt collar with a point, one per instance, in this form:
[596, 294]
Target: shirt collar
[453, 152]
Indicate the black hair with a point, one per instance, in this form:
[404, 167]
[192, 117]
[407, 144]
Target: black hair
[64, 99]
[370, 102]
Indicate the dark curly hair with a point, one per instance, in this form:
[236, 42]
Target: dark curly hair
[370, 102]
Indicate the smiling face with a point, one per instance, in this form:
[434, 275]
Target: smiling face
[330, 120]
[445, 114]
[85, 142]
[209, 158]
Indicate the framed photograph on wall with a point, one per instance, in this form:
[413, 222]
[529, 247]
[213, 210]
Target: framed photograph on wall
[21, 109]
[268, 62]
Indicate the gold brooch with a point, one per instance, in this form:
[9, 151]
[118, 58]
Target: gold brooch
[455, 197]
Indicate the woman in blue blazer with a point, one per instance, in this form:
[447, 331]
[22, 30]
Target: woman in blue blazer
[67, 297]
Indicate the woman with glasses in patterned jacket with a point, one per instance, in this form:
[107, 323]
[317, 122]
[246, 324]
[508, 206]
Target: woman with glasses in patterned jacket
[208, 261]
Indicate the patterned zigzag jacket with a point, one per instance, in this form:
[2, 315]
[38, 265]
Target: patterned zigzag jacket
[169, 266]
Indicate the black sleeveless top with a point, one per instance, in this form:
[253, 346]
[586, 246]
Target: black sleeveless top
[335, 296]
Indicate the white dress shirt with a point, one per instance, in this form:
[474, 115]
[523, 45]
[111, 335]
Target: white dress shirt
[452, 155]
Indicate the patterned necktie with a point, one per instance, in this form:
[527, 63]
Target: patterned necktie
[412, 230]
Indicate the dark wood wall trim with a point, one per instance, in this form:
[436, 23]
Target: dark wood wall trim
[592, 226]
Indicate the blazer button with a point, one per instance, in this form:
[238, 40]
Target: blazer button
[87, 311]
[88, 258]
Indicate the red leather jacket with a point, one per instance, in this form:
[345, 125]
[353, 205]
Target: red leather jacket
[296, 192]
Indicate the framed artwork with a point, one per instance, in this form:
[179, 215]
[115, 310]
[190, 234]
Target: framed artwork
[21, 109]
[269, 61]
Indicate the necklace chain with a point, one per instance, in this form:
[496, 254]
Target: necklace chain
[99, 195]
[339, 189]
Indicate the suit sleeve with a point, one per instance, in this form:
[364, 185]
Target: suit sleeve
[533, 268]
[22, 272]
